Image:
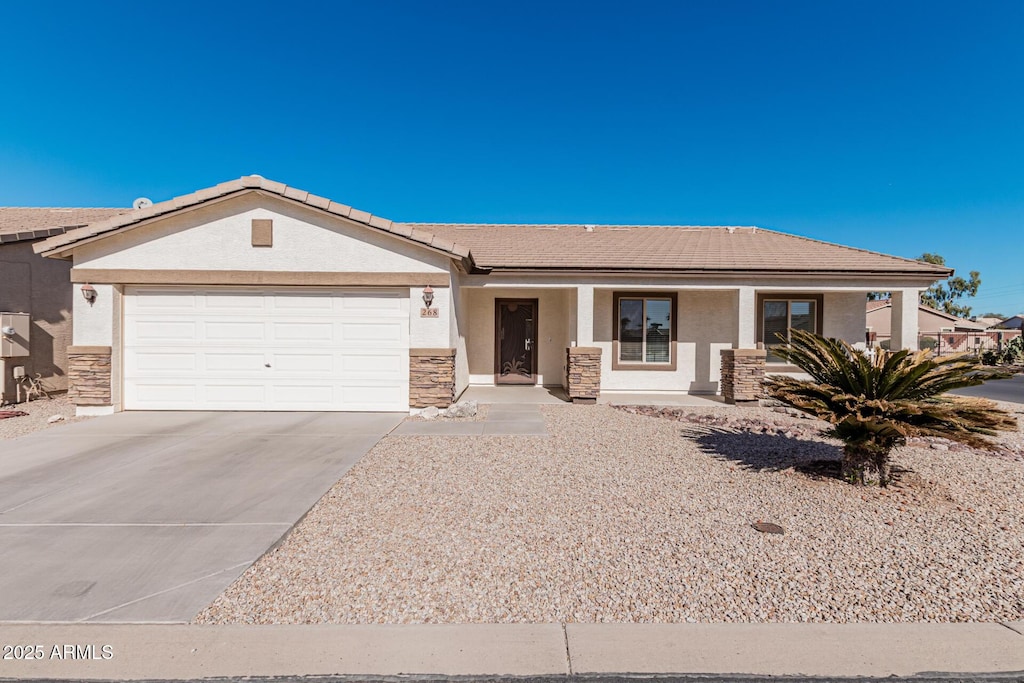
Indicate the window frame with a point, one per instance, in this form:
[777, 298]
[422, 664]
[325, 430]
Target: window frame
[789, 298]
[673, 326]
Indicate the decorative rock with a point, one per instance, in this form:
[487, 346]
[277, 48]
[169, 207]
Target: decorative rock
[430, 412]
[462, 409]
[55, 418]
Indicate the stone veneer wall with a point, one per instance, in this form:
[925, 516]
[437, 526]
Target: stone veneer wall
[742, 374]
[431, 378]
[583, 364]
[89, 375]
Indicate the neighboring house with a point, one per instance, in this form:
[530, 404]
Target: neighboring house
[252, 295]
[40, 287]
[930, 321]
[937, 330]
[989, 323]
[1013, 323]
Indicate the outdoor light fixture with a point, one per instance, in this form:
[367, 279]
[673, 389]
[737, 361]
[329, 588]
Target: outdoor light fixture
[89, 293]
[428, 296]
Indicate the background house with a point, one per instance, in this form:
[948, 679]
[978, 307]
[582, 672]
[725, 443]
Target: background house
[937, 330]
[1012, 323]
[41, 287]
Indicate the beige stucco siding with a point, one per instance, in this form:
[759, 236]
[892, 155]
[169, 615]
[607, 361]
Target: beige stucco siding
[219, 237]
[843, 316]
[552, 324]
[458, 324]
[40, 286]
[707, 323]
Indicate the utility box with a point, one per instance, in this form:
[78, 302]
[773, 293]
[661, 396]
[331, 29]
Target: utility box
[14, 329]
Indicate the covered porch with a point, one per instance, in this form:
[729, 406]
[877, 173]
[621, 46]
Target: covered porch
[631, 337]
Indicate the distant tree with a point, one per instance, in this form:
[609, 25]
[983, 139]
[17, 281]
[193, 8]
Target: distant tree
[877, 296]
[944, 297]
[994, 315]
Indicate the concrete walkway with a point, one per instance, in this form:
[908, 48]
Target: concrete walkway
[125, 652]
[521, 419]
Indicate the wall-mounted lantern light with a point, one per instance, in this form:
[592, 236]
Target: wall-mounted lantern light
[89, 293]
[428, 296]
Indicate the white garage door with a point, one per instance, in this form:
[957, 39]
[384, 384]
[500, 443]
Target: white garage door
[260, 349]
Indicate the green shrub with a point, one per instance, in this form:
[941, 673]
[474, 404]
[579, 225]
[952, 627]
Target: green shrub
[874, 404]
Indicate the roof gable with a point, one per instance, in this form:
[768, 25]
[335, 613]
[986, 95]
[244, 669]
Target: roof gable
[63, 244]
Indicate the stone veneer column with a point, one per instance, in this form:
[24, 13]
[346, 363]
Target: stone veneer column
[584, 371]
[89, 375]
[742, 374]
[431, 378]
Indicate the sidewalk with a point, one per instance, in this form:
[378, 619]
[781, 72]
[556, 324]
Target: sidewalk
[489, 650]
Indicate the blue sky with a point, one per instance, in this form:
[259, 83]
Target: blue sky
[895, 126]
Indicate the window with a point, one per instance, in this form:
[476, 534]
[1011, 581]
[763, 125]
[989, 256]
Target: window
[644, 331]
[778, 316]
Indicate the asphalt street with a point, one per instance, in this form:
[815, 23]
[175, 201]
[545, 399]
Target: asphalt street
[998, 390]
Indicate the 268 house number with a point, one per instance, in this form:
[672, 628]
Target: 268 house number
[58, 651]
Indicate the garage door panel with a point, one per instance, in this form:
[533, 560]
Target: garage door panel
[171, 394]
[305, 304]
[376, 332]
[368, 364]
[308, 331]
[224, 302]
[307, 395]
[370, 395]
[161, 362]
[161, 300]
[233, 361]
[229, 349]
[254, 332]
[323, 364]
[374, 305]
[162, 332]
[235, 395]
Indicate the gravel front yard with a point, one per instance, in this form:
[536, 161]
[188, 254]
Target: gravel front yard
[623, 517]
[39, 412]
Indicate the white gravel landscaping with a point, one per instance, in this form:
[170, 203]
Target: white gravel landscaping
[39, 413]
[628, 518]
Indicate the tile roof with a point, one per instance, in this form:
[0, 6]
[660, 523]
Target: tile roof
[18, 223]
[676, 248]
[658, 248]
[59, 243]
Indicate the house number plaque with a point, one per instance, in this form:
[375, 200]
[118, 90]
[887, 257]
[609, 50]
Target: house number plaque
[429, 313]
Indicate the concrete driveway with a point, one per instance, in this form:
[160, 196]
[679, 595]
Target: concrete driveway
[147, 517]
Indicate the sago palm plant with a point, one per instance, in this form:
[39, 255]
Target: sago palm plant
[874, 404]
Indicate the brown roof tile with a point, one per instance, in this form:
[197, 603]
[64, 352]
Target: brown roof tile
[18, 223]
[680, 248]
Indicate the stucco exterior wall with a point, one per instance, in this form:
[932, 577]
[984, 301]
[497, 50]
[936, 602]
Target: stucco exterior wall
[32, 284]
[219, 237]
[552, 324]
[432, 333]
[708, 322]
[457, 330]
[844, 316]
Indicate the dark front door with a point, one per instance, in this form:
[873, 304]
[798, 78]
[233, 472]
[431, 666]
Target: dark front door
[515, 334]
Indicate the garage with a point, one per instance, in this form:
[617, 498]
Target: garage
[280, 349]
